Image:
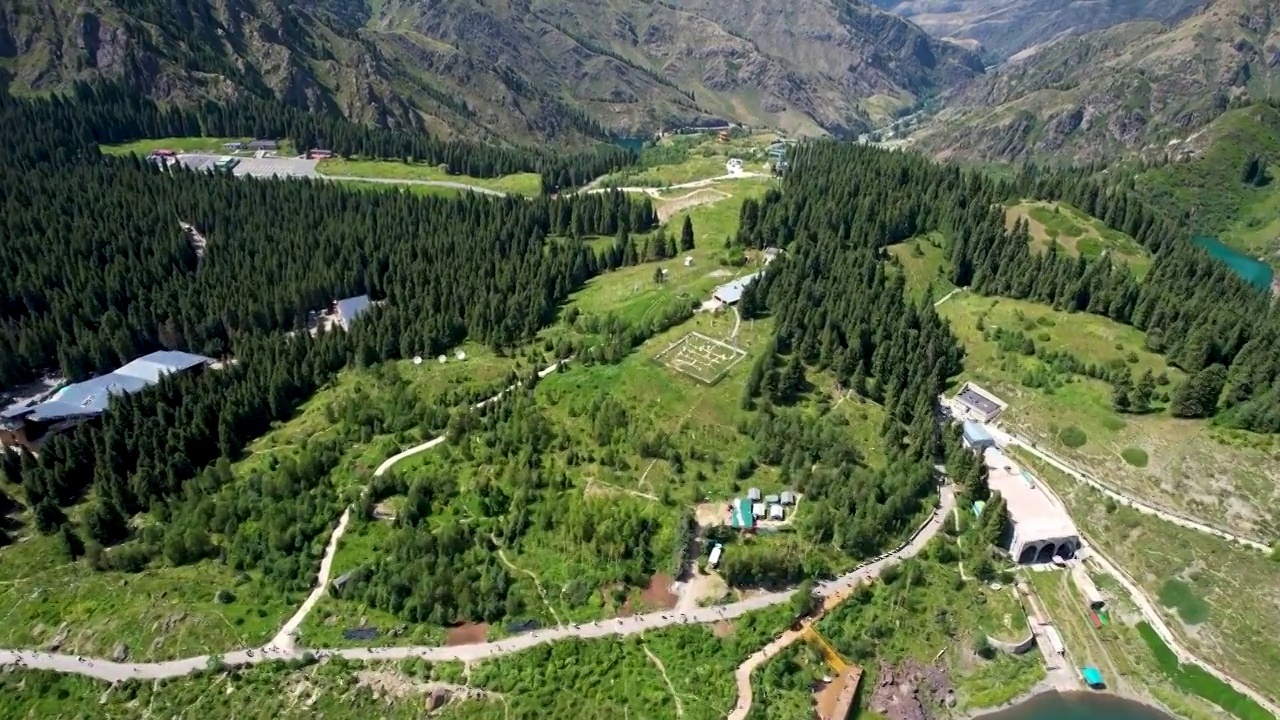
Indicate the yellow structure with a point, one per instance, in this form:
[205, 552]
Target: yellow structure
[829, 653]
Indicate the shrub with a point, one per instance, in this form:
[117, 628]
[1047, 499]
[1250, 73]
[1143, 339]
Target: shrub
[1072, 436]
[1136, 457]
[1113, 423]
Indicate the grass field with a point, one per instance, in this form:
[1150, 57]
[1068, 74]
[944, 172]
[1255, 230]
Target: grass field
[1071, 231]
[924, 265]
[1226, 477]
[182, 144]
[517, 184]
[686, 158]
[1219, 597]
[160, 613]
[1210, 189]
[591, 680]
[1118, 650]
[165, 612]
[413, 189]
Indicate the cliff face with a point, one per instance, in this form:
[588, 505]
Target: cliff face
[1004, 27]
[499, 68]
[1127, 89]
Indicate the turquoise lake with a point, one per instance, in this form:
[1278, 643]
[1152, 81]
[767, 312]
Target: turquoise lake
[1079, 706]
[1258, 274]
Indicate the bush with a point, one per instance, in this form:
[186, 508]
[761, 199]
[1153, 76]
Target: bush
[1136, 457]
[1113, 423]
[1072, 437]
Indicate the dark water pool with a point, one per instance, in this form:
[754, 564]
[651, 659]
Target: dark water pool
[1079, 706]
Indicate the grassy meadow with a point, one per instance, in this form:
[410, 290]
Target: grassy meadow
[1068, 230]
[516, 184]
[1188, 466]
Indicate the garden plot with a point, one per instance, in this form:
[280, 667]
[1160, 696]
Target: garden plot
[700, 357]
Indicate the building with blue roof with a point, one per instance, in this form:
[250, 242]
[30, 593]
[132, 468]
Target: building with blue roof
[29, 424]
[977, 437]
[349, 309]
[731, 292]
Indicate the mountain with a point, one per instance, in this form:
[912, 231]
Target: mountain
[1132, 89]
[500, 68]
[1003, 28]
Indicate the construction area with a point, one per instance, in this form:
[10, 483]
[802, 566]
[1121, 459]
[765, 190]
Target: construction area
[702, 358]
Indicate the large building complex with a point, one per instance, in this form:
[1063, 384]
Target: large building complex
[1042, 529]
[31, 423]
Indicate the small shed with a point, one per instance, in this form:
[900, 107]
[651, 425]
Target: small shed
[976, 437]
[264, 144]
[787, 498]
[776, 512]
[1093, 677]
[978, 505]
[716, 551]
[757, 509]
[771, 499]
[688, 260]
[740, 515]
[753, 494]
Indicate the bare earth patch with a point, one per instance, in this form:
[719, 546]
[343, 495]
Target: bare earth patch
[658, 594]
[467, 634]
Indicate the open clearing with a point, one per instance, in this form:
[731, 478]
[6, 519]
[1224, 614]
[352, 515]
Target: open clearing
[924, 265]
[518, 183]
[180, 144]
[1076, 233]
[1228, 478]
[1231, 591]
[700, 357]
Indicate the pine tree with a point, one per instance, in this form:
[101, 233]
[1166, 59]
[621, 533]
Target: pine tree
[1142, 394]
[1121, 390]
[686, 234]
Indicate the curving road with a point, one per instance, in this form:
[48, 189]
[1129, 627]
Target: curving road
[430, 183]
[113, 671]
[1005, 438]
[1155, 619]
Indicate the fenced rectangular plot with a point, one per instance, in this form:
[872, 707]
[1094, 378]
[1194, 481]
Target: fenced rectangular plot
[701, 358]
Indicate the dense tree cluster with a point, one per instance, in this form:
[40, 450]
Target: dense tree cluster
[73, 125]
[1194, 310]
[103, 274]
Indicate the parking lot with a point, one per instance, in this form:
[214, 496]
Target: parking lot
[257, 167]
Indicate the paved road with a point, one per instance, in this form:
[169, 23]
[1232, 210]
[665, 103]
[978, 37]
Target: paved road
[1155, 619]
[113, 671]
[836, 592]
[431, 183]
[1004, 438]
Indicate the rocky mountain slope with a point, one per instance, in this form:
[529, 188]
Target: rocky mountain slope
[500, 68]
[1003, 28]
[1130, 89]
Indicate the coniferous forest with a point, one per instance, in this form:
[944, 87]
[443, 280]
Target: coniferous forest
[100, 275]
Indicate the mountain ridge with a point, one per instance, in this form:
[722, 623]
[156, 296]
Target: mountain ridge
[501, 68]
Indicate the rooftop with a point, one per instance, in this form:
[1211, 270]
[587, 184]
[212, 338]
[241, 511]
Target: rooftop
[351, 308]
[1033, 513]
[731, 292]
[975, 432]
[977, 400]
[93, 396]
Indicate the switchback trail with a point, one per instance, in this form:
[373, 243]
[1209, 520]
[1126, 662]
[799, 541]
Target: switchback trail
[114, 671]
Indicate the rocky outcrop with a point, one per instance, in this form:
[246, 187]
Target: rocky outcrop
[910, 690]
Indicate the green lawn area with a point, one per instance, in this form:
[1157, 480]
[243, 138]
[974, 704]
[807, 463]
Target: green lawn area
[518, 183]
[686, 158]
[1219, 597]
[160, 613]
[1210, 186]
[924, 264]
[433, 190]
[1069, 230]
[1118, 650]
[166, 612]
[1226, 477]
[182, 144]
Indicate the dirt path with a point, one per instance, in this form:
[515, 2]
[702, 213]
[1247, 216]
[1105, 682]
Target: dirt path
[502, 555]
[668, 208]
[742, 676]
[663, 669]
[832, 590]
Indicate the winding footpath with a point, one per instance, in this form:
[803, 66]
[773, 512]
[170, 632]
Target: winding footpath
[1152, 614]
[1005, 438]
[283, 646]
